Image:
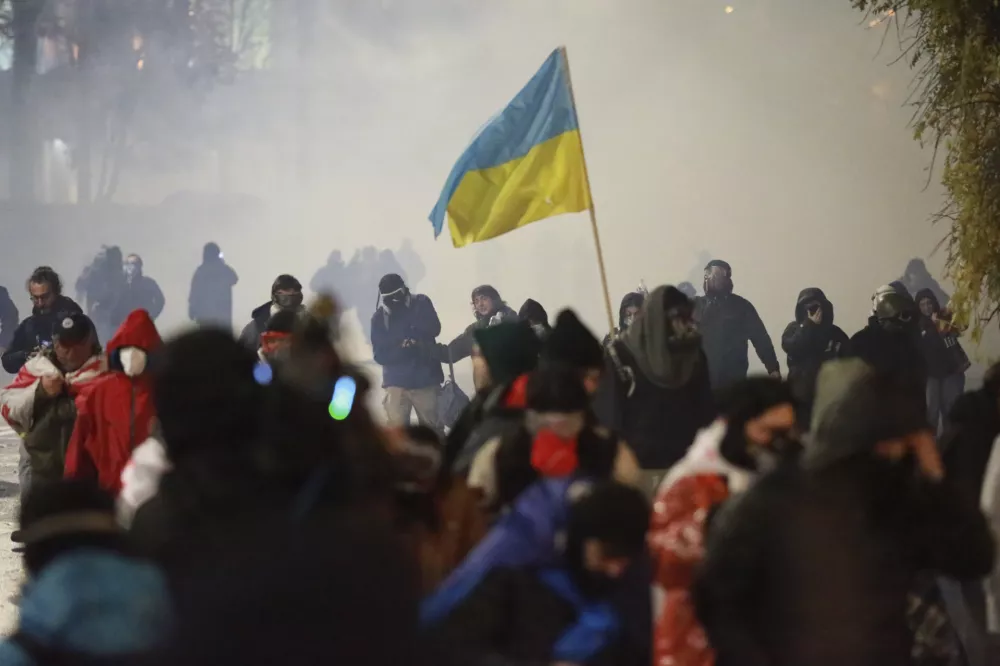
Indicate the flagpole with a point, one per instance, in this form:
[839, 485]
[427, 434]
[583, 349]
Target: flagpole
[590, 194]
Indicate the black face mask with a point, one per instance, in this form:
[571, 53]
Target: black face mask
[288, 301]
[395, 301]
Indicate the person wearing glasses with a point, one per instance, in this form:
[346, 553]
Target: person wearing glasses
[48, 309]
[810, 341]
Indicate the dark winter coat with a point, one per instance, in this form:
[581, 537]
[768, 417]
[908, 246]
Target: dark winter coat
[211, 299]
[658, 423]
[809, 346]
[35, 331]
[518, 617]
[143, 293]
[967, 441]
[727, 323]
[894, 353]
[250, 335]
[942, 351]
[9, 318]
[461, 347]
[414, 366]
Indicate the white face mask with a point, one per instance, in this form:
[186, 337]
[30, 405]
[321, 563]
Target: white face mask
[133, 361]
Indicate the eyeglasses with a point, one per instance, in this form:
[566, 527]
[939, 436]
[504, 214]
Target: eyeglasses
[40, 298]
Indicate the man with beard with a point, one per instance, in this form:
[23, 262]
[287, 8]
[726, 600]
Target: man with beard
[210, 301]
[141, 292]
[562, 613]
[490, 310]
[49, 309]
[814, 564]
[40, 403]
[286, 294]
[727, 322]
[404, 329]
[890, 343]
[655, 392]
[810, 341]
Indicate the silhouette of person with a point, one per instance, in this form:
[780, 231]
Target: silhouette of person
[210, 302]
[331, 277]
[916, 277]
[411, 263]
[102, 286]
[141, 292]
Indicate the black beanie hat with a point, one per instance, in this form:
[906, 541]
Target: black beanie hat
[74, 329]
[571, 343]
[556, 389]
[510, 350]
[390, 283]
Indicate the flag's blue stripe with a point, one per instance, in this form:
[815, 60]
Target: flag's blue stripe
[541, 111]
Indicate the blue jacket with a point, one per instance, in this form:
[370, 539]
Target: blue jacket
[93, 602]
[415, 366]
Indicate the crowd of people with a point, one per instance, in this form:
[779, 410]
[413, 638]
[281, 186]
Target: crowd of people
[216, 498]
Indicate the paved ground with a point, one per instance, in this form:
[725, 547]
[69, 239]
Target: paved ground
[10, 562]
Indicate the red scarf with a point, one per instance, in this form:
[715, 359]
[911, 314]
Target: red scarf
[552, 455]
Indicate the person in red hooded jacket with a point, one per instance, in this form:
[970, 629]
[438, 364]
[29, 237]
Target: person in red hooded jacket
[115, 414]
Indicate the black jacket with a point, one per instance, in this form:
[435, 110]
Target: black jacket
[211, 297]
[893, 353]
[250, 336]
[35, 331]
[727, 323]
[809, 346]
[9, 318]
[143, 293]
[814, 567]
[461, 347]
[658, 423]
[967, 442]
[513, 618]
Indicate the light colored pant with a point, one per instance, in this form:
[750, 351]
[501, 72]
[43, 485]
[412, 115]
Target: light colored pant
[399, 402]
[941, 395]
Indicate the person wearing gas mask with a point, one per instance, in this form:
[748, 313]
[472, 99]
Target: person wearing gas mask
[810, 341]
[490, 310]
[655, 392]
[286, 294]
[890, 342]
[404, 331]
[727, 323]
[627, 311]
[141, 292]
[816, 563]
[40, 403]
[210, 301]
[49, 309]
[116, 414]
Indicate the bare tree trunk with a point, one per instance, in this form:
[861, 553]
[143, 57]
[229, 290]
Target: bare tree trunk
[25, 145]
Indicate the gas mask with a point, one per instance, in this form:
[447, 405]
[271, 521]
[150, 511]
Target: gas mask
[288, 301]
[682, 331]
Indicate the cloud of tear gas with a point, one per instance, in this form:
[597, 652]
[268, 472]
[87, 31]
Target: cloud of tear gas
[768, 133]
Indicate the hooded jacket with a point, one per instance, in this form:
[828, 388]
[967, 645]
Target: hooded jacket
[809, 346]
[814, 563]
[35, 331]
[94, 604]
[943, 353]
[727, 323]
[211, 298]
[114, 414]
[656, 398]
[414, 366]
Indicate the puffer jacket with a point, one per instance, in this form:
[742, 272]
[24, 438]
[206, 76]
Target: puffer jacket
[809, 346]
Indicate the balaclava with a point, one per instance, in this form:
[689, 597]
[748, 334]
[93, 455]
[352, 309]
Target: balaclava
[393, 292]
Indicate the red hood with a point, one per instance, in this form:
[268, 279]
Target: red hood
[138, 330]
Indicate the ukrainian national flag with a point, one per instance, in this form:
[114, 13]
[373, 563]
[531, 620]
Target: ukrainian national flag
[524, 166]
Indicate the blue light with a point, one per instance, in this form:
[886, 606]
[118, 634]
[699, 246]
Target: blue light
[343, 398]
[263, 374]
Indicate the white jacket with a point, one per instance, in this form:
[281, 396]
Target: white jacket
[141, 478]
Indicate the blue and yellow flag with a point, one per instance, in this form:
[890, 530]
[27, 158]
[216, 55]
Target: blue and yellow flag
[524, 166]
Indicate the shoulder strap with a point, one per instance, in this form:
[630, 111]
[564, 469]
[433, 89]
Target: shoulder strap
[624, 372]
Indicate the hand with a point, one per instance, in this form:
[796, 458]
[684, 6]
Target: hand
[816, 317]
[928, 457]
[776, 374]
[52, 386]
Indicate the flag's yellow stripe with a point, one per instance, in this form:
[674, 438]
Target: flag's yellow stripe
[548, 181]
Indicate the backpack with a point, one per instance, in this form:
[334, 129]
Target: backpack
[452, 400]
